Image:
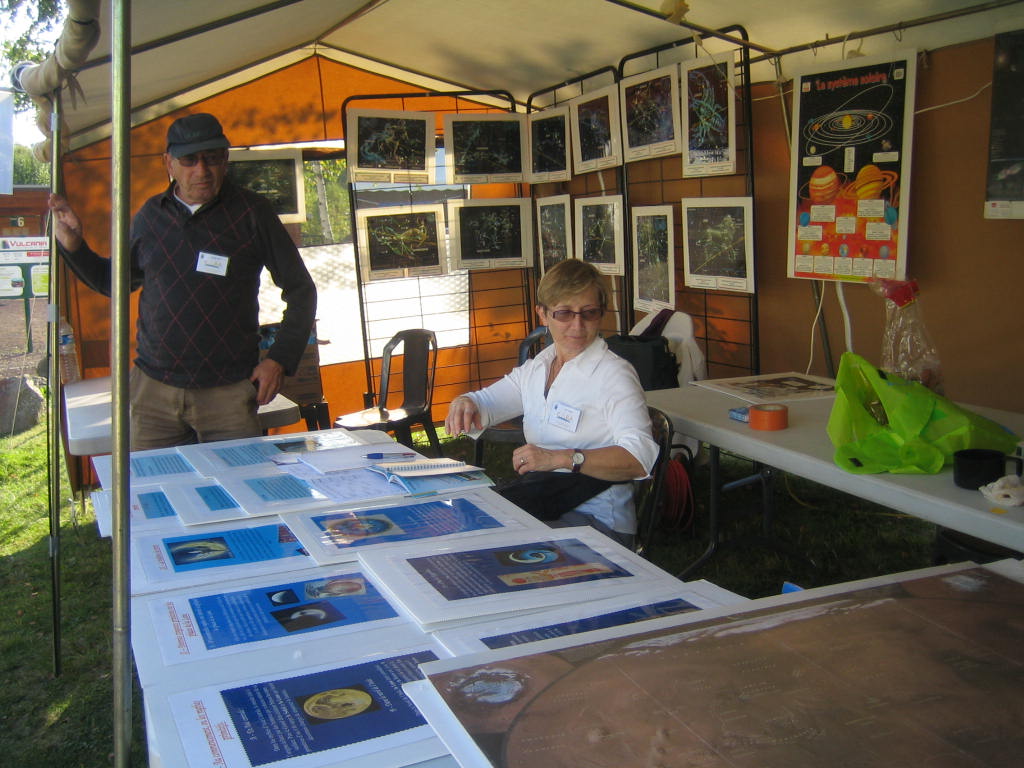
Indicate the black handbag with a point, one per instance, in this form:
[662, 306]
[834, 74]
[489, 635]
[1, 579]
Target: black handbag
[648, 352]
[549, 495]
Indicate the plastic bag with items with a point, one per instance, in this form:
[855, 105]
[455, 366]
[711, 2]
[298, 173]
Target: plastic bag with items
[881, 422]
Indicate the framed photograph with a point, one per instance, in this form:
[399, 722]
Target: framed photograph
[650, 114]
[718, 243]
[848, 196]
[491, 233]
[599, 233]
[390, 146]
[654, 258]
[485, 149]
[554, 231]
[596, 142]
[549, 145]
[401, 242]
[274, 173]
[709, 116]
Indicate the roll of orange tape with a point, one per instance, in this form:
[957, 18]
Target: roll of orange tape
[769, 417]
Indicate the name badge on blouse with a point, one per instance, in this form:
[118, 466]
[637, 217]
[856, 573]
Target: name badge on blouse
[212, 264]
[564, 416]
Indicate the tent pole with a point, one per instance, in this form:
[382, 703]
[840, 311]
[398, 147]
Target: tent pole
[55, 412]
[120, 27]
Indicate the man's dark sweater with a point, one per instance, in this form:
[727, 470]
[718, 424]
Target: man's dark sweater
[198, 329]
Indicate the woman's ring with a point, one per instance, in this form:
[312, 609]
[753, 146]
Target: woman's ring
[522, 461]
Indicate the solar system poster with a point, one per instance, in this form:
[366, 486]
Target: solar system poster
[852, 131]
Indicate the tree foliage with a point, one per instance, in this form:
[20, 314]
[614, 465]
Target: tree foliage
[30, 29]
[28, 170]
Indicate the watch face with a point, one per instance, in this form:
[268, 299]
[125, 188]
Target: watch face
[577, 458]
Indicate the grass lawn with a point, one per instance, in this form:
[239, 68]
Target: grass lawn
[66, 720]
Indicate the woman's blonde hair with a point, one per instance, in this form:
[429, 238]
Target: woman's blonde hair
[570, 278]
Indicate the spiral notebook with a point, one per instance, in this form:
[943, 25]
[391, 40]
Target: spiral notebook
[425, 467]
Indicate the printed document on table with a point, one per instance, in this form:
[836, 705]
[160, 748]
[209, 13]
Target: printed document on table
[205, 623]
[501, 572]
[332, 536]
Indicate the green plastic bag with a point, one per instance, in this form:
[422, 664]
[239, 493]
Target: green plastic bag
[883, 423]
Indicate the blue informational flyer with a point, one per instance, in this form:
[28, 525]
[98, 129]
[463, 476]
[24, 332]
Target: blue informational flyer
[148, 467]
[246, 455]
[281, 610]
[231, 547]
[155, 504]
[280, 488]
[590, 623]
[295, 716]
[502, 570]
[342, 530]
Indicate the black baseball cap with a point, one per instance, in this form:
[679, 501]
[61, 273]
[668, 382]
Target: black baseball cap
[194, 133]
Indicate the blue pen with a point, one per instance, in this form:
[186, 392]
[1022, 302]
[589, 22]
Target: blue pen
[390, 456]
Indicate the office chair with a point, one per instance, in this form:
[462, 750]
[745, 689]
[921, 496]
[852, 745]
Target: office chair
[419, 352]
[511, 431]
[649, 492]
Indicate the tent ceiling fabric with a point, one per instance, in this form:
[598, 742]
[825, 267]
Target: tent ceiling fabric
[521, 46]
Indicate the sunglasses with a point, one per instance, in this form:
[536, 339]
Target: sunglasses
[210, 159]
[566, 315]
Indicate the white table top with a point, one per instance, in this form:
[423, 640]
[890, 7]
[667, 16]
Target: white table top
[87, 414]
[804, 449]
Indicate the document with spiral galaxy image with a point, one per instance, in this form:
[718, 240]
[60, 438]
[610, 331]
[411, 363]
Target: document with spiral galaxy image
[506, 572]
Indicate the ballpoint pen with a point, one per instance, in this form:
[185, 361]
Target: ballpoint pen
[390, 456]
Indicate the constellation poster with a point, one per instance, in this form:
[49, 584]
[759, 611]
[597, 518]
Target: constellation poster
[718, 243]
[485, 149]
[599, 238]
[554, 230]
[490, 233]
[596, 142]
[654, 260]
[390, 146]
[849, 190]
[549, 145]
[402, 242]
[650, 114]
[709, 116]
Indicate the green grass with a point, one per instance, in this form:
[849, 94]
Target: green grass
[66, 720]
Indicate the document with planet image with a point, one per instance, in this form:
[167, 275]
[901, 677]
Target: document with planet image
[343, 714]
[443, 583]
[849, 203]
[233, 550]
[215, 620]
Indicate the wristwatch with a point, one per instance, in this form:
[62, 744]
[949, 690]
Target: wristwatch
[577, 459]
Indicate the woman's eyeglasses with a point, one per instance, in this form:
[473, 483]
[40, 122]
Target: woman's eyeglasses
[210, 159]
[566, 315]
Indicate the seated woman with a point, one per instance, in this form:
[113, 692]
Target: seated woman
[584, 414]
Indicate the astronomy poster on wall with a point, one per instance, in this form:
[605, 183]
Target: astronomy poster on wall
[549, 145]
[491, 233]
[849, 190]
[1004, 191]
[718, 243]
[599, 233]
[390, 146]
[650, 114]
[554, 230]
[594, 124]
[485, 149]
[654, 262]
[709, 116]
[402, 242]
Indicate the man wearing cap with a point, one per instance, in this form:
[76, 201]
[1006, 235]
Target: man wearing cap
[197, 251]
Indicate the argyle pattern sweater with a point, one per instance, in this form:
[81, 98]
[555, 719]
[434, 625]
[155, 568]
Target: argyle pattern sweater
[197, 329]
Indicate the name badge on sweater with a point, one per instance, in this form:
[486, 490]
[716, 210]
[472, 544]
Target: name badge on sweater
[212, 264]
[564, 416]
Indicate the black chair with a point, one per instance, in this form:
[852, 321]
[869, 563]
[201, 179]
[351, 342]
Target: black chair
[649, 492]
[511, 431]
[419, 353]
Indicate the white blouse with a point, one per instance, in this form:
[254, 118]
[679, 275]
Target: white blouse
[595, 401]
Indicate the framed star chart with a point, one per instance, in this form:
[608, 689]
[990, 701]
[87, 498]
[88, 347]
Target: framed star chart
[849, 176]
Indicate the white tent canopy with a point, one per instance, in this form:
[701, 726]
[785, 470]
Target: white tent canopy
[187, 50]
